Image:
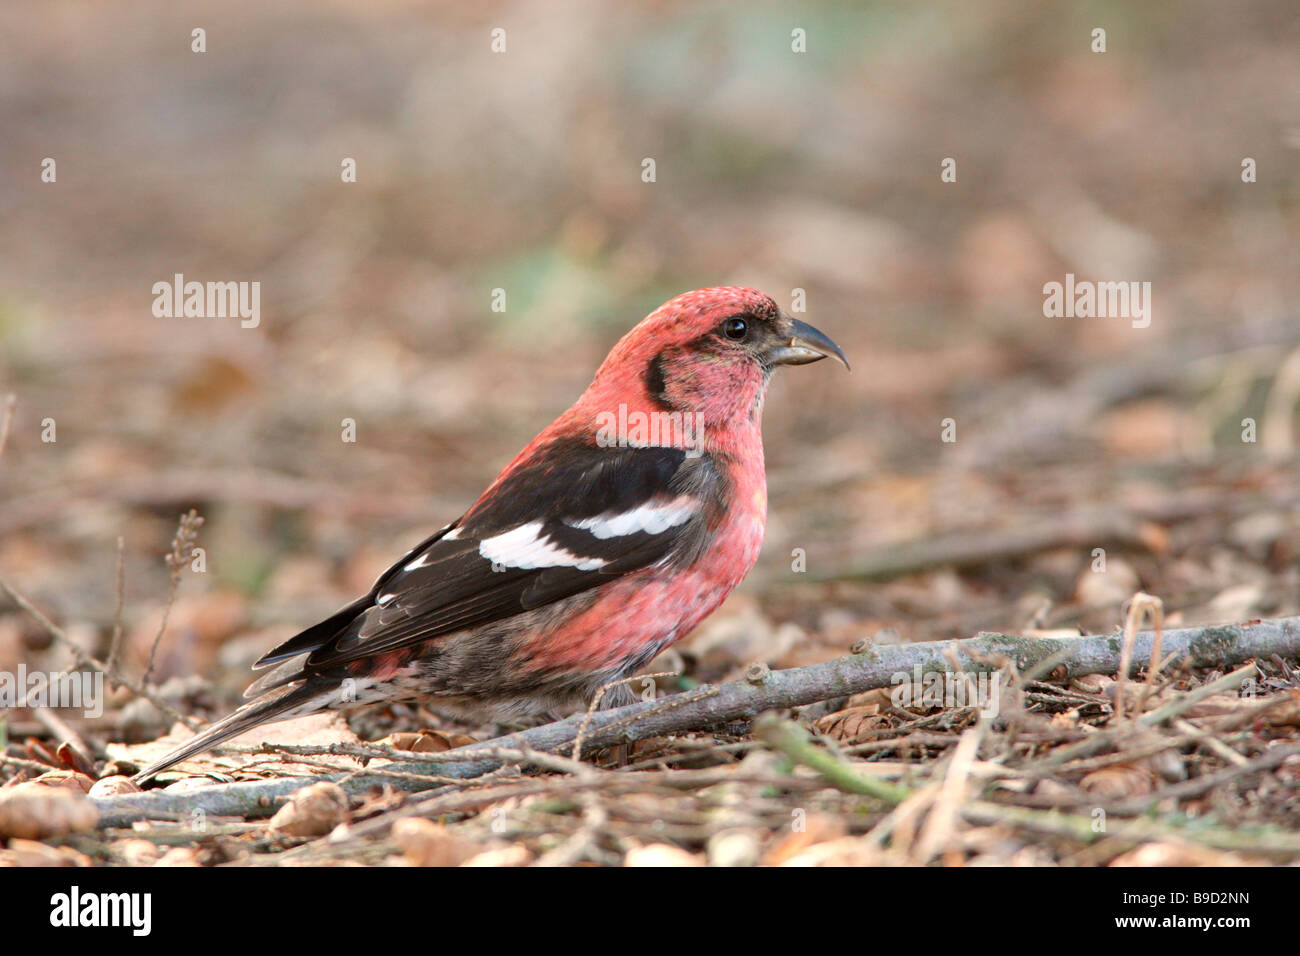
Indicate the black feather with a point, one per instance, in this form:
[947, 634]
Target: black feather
[455, 587]
[245, 718]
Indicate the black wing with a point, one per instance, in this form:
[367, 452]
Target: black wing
[574, 517]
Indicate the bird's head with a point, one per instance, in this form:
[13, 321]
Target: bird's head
[709, 352]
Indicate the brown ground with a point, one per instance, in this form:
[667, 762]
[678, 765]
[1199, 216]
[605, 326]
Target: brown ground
[817, 171]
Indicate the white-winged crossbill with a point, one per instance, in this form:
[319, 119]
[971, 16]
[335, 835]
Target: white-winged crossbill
[617, 530]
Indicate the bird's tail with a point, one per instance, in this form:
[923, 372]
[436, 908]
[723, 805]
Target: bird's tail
[292, 701]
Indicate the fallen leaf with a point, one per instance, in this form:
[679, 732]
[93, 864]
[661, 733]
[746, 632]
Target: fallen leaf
[31, 853]
[427, 741]
[1091, 683]
[1119, 781]
[112, 786]
[1285, 714]
[72, 779]
[846, 851]
[136, 852]
[660, 854]
[816, 828]
[853, 724]
[179, 856]
[34, 811]
[734, 847]
[312, 811]
[514, 855]
[425, 843]
[1181, 854]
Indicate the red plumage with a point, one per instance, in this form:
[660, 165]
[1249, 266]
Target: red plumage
[610, 536]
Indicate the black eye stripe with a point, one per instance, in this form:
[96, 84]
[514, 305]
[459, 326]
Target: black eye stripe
[655, 382]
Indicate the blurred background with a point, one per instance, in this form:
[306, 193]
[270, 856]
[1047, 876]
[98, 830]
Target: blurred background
[522, 170]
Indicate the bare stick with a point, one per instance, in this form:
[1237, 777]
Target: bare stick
[115, 644]
[600, 695]
[941, 824]
[86, 660]
[62, 732]
[795, 742]
[182, 551]
[707, 706]
[1140, 605]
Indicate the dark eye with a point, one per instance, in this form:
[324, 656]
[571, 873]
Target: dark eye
[735, 329]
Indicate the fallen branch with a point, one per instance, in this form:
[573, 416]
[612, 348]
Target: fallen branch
[1221, 646]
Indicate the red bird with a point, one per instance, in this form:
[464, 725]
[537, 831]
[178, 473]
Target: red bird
[618, 529]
